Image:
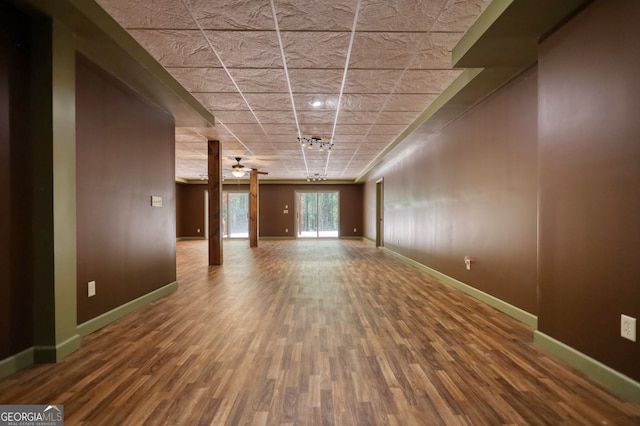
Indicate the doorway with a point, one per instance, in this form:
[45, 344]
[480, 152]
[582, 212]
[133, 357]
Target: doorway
[380, 213]
[235, 214]
[317, 214]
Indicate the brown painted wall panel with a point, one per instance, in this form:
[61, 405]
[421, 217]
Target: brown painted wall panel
[16, 283]
[125, 154]
[190, 210]
[273, 198]
[469, 190]
[590, 182]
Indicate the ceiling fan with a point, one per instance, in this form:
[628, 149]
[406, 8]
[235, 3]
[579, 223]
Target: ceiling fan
[238, 170]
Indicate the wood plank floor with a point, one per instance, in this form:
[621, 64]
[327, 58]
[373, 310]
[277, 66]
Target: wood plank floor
[314, 332]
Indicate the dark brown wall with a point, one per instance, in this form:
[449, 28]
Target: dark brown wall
[469, 190]
[273, 198]
[590, 182]
[190, 210]
[125, 154]
[15, 207]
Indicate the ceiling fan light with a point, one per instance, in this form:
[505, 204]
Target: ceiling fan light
[238, 172]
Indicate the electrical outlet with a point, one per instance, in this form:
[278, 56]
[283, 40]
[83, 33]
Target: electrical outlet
[91, 288]
[286, 230]
[354, 230]
[198, 230]
[628, 327]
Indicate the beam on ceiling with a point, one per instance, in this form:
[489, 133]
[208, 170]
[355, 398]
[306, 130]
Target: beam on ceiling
[104, 41]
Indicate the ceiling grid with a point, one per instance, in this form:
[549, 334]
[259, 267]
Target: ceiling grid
[353, 72]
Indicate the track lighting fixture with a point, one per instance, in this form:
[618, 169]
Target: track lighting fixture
[315, 142]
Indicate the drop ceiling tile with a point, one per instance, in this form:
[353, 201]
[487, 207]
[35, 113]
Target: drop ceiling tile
[426, 81]
[437, 52]
[397, 51]
[342, 139]
[249, 138]
[246, 49]
[281, 139]
[399, 15]
[203, 79]
[235, 117]
[370, 138]
[221, 134]
[177, 48]
[361, 102]
[154, 14]
[306, 102]
[275, 117]
[206, 132]
[221, 101]
[316, 117]
[375, 129]
[269, 101]
[232, 14]
[314, 15]
[460, 15]
[260, 80]
[408, 102]
[349, 117]
[245, 128]
[371, 81]
[281, 129]
[317, 130]
[233, 148]
[315, 80]
[352, 129]
[315, 49]
[189, 138]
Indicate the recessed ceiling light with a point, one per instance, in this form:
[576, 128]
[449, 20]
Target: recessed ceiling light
[316, 102]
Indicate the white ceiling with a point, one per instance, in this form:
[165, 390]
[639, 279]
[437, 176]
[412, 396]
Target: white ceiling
[257, 65]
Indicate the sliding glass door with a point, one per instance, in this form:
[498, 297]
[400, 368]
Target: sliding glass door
[317, 214]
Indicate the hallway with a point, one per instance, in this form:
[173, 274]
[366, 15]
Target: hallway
[313, 332]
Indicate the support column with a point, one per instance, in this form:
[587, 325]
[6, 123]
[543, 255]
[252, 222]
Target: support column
[215, 201]
[253, 208]
[53, 142]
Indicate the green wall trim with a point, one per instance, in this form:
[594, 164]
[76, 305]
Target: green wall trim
[190, 238]
[53, 354]
[616, 381]
[107, 318]
[15, 363]
[350, 238]
[479, 28]
[513, 311]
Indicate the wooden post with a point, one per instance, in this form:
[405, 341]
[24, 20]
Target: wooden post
[253, 208]
[214, 186]
[254, 198]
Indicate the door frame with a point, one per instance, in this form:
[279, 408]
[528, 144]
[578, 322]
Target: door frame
[226, 205]
[297, 210]
[380, 212]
